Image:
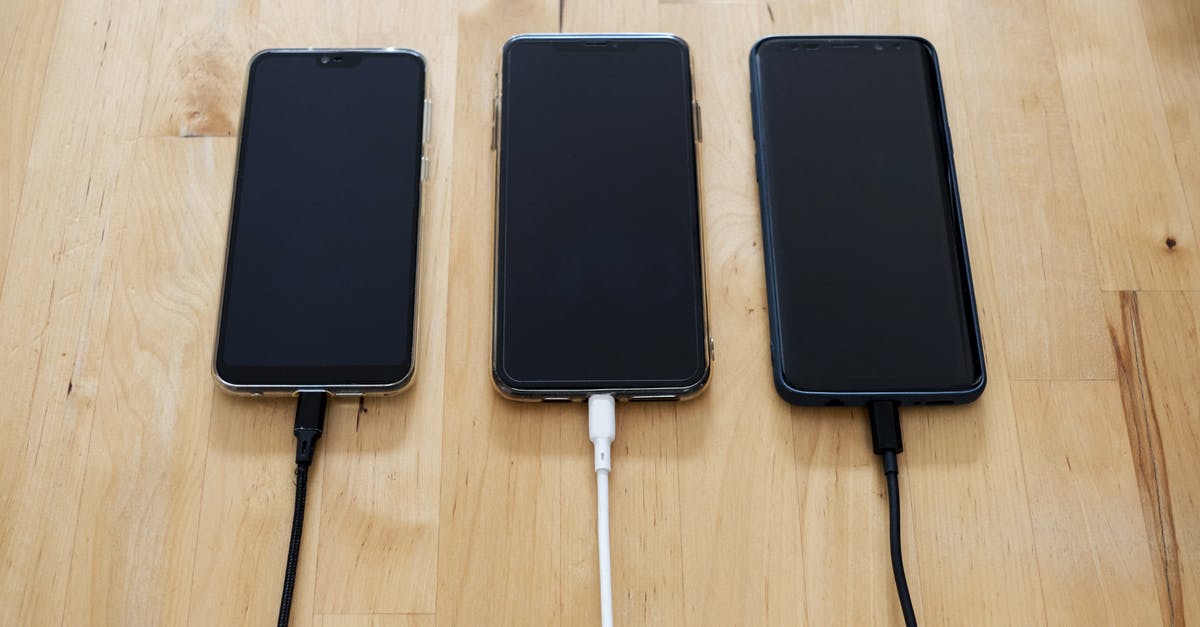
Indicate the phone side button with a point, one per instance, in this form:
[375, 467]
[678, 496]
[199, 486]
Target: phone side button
[425, 122]
[697, 121]
[424, 169]
[495, 121]
[654, 397]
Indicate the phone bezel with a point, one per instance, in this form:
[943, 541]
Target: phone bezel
[356, 380]
[799, 396]
[516, 390]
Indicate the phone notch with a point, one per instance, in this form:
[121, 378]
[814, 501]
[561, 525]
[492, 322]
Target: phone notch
[339, 59]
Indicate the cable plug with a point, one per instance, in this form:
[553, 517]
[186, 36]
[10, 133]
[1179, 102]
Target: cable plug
[885, 427]
[310, 422]
[602, 428]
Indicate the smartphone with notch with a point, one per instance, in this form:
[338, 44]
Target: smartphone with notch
[868, 279]
[599, 279]
[320, 281]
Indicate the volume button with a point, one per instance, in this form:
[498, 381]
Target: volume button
[696, 121]
[425, 126]
[424, 169]
[495, 121]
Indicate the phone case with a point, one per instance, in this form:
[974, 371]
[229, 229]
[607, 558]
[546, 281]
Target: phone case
[812, 397]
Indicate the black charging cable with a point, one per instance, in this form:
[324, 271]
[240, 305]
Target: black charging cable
[310, 421]
[885, 436]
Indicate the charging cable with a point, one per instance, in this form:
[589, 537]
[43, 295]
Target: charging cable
[602, 430]
[885, 437]
[310, 421]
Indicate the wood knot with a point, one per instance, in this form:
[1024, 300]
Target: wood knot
[1170, 242]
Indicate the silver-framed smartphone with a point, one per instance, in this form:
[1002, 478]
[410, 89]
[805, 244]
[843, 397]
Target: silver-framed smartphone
[599, 274]
[320, 281]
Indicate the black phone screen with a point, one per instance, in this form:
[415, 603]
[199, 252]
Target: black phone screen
[599, 281]
[320, 274]
[867, 267]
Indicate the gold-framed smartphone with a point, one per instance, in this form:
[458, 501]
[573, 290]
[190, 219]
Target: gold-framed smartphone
[320, 280]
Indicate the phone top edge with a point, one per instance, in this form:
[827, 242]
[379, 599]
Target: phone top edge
[593, 35]
[388, 50]
[405, 52]
[568, 37]
[842, 37]
[756, 48]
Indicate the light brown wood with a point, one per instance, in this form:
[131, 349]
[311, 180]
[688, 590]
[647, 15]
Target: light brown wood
[1075, 440]
[1131, 180]
[136, 493]
[375, 620]
[1169, 328]
[1029, 194]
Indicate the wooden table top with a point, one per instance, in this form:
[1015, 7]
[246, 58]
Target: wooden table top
[136, 493]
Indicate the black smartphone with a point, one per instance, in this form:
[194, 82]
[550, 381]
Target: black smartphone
[868, 282]
[599, 274]
[321, 265]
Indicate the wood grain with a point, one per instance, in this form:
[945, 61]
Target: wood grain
[28, 29]
[55, 300]
[1048, 299]
[136, 493]
[163, 282]
[197, 55]
[1131, 181]
[1145, 438]
[1074, 437]
[1170, 33]
[1170, 323]
[375, 620]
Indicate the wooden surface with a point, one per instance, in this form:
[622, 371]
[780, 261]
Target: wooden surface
[135, 493]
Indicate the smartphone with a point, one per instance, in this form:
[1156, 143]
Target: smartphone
[868, 281]
[599, 275]
[321, 264]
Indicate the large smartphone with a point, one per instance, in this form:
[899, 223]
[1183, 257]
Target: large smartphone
[599, 275]
[321, 266]
[868, 281]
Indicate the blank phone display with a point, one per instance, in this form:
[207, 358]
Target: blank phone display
[320, 277]
[599, 280]
[870, 285]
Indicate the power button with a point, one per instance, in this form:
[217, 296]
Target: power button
[424, 169]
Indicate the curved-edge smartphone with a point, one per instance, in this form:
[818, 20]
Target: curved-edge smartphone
[320, 281]
[868, 281]
[599, 284]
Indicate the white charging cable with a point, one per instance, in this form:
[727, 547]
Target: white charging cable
[602, 430]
